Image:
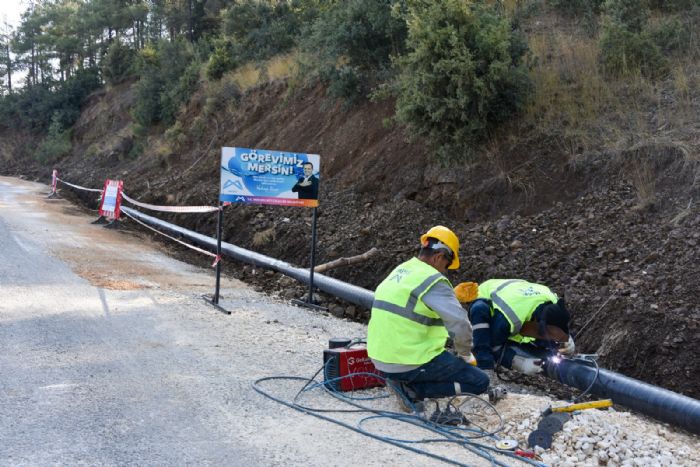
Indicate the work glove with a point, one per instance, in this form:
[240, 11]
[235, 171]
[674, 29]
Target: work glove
[526, 366]
[471, 359]
[568, 348]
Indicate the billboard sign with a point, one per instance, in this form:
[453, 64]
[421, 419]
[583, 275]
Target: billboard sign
[262, 176]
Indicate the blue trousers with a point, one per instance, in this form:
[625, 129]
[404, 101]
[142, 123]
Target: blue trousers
[444, 376]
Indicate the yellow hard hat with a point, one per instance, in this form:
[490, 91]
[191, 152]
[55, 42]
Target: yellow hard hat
[447, 237]
[467, 291]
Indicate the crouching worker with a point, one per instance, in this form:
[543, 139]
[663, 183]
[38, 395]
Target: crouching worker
[414, 312]
[516, 324]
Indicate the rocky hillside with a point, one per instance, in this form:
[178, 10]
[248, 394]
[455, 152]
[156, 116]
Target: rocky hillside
[615, 230]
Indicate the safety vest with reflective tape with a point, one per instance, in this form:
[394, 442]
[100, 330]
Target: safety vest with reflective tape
[517, 300]
[402, 329]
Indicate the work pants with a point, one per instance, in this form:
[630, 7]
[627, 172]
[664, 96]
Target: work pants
[444, 376]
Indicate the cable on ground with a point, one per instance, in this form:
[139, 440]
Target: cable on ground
[463, 436]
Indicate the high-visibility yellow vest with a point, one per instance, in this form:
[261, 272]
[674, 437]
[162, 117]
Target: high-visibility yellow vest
[517, 300]
[402, 329]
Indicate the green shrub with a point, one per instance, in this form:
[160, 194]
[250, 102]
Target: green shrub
[168, 77]
[625, 44]
[56, 144]
[118, 63]
[221, 61]
[674, 5]
[624, 52]
[352, 41]
[670, 34]
[577, 8]
[262, 29]
[34, 107]
[630, 14]
[462, 74]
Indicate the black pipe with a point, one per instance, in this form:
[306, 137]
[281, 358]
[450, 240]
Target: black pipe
[656, 402]
[653, 401]
[348, 292]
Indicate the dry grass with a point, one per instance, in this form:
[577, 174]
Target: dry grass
[569, 88]
[251, 74]
[264, 237]
[644, 181]
[584, 110]
[282, 66]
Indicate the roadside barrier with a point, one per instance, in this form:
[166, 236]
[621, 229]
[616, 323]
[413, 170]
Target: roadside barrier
[176, 209]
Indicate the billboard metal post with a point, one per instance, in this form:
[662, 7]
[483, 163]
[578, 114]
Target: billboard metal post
[219, 230]
[313, 259]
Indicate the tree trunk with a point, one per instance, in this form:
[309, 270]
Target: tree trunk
[9, 69]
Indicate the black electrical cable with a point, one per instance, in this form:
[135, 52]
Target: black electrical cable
[449, 434]
[590, 386]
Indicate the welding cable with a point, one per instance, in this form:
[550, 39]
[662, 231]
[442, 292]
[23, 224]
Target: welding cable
[590, 386]
[257, 388]
[454, 438]
[350, 400]
[445, 431]
[413, 419]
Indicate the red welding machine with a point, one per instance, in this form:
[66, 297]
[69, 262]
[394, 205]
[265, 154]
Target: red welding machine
[347, 366]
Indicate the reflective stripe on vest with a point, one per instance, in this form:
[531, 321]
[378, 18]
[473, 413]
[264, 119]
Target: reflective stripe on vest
[408, 310]
[505, 308]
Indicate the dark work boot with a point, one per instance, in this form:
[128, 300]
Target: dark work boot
[406, 397]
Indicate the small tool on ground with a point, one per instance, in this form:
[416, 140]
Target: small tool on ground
[581, 406]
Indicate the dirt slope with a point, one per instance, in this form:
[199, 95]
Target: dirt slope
[625, 260]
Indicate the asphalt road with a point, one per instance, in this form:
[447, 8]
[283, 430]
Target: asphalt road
[90, 375]
[109, 355]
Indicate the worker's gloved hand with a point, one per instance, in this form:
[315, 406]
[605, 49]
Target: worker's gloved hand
[568, 348]
[526, 366]
[471, 359]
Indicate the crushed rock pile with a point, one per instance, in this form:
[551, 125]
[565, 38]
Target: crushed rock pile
[600, 437]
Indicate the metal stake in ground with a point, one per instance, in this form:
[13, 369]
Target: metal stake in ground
[309, 299]
[219, 227]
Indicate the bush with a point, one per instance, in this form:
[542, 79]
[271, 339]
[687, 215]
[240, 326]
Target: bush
[630, 14]
[462, 74]
[577, 8]
[262, 29]
[118, 63]
[34, 107]
[168, 77]
[626, 47]
[56, 144]
[221, 61]
[624, 52]
[352, 41]
[674, 5]
[670, 34]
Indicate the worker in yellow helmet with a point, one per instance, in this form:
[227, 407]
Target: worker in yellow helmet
[415, 310]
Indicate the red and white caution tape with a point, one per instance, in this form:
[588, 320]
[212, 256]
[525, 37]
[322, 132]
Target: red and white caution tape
[154, 207]
[217, 258]
[78, 186]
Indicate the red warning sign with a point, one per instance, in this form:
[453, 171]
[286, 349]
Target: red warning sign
[111, 199]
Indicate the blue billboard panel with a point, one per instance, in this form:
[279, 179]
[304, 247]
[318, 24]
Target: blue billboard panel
[262, 176]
